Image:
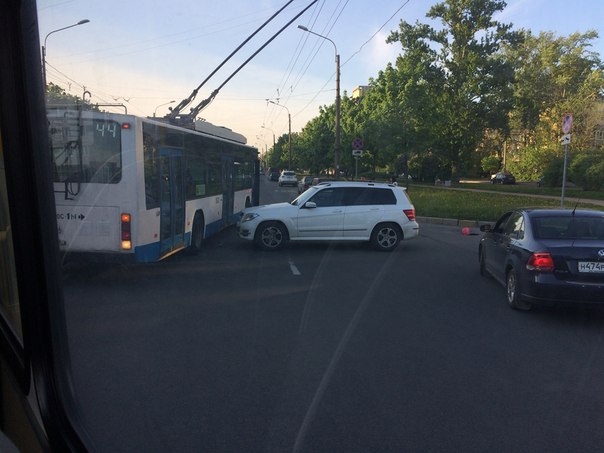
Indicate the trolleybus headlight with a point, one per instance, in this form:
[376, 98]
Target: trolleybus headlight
[249, 216]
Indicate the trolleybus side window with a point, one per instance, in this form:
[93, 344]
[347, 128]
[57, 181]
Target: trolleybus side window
[151, 156]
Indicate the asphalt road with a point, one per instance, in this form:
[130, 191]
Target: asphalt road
[329, 348]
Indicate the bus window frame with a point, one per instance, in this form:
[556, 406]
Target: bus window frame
[40, 367]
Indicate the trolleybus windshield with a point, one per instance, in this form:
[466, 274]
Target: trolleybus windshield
[85, 149]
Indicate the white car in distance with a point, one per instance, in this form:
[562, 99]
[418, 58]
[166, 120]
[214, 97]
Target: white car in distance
[345, 211]
[288, 177]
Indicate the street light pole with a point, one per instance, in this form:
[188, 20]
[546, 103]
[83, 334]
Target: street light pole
[264, 127]
[82, 22]
[336, 153]
[289, 118]
[161, 105]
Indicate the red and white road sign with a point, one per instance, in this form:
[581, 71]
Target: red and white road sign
[567, 123]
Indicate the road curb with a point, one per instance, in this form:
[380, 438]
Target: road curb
[453, 222]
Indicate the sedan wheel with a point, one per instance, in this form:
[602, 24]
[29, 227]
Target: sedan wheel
[513, 292]
[482, 261]
[386, 237]
[271, 236]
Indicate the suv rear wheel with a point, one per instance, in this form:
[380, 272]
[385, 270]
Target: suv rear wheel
[386, 236]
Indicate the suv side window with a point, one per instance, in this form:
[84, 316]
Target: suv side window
[380, 196]
[330, 196]
[362, 196]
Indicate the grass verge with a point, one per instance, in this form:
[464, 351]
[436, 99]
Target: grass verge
[468, 205]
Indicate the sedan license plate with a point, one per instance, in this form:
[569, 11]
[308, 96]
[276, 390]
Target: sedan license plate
[591, 267]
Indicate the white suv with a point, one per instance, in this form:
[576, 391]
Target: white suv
[288, 177]
[349, 211]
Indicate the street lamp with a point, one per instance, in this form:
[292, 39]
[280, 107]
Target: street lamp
[336, 153]
[82, 22]
[289, 117]
[264, 127]
[161, 105]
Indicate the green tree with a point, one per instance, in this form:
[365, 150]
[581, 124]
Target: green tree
[398, 114]
[278, 155]
[490, 164]
[554, 76]
[587, 170]
[533, 163]
[476, 90]
[317, 142]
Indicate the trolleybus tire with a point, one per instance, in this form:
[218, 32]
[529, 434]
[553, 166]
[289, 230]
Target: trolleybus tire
[196, 234]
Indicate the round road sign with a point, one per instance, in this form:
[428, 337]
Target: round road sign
[357, 143]
[567, 124]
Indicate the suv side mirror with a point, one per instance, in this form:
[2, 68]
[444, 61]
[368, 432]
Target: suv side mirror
[310, 204]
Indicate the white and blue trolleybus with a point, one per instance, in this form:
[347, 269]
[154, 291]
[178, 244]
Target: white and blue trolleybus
[127, 185]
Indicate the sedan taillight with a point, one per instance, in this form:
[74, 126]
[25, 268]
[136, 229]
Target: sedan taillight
[410, 213]
[541, 262]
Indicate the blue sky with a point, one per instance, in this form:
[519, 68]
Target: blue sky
[148, 53]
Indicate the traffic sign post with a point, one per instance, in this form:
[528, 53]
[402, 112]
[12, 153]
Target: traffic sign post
[356, 153]
[567, 126]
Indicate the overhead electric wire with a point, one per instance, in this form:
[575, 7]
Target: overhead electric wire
[176, 111]
[352, 56]
[90, 89]
[296, 54]
[291, 65]
[205, 102]
[159, 41]
[374, 35]
[318, 44]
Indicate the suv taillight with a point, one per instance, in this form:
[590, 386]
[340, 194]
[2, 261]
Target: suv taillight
[410, 213]
[540, 261]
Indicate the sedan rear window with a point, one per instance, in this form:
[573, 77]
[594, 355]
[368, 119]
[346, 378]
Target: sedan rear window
[568, 227]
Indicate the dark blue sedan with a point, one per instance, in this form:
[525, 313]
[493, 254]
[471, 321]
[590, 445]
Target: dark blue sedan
[546, 256]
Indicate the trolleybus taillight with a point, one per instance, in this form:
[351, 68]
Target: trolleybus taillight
[126, 235]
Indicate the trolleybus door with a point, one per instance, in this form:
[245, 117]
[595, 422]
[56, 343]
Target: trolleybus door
[228, 193]
[172, 219]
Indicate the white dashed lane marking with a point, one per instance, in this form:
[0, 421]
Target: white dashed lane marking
[293, 267]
